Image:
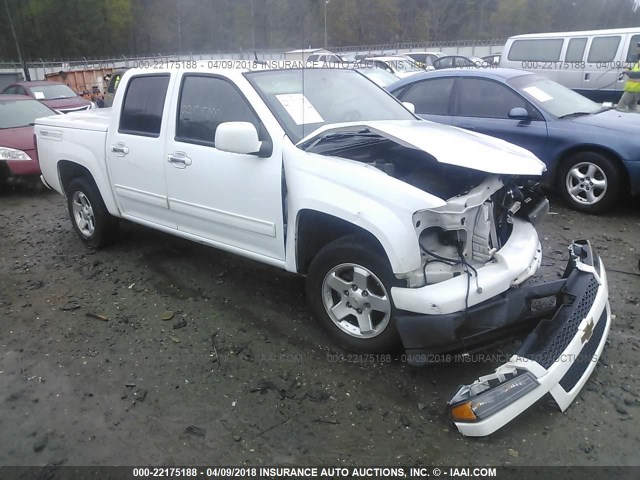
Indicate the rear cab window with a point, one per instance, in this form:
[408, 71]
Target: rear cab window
[113, 83]
[143, 105]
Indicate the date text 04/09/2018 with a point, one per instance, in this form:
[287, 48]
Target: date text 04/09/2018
[307, 472]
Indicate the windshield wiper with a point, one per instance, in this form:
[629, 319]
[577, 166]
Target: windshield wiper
[603, 109]
[336, 136]
[575, 114]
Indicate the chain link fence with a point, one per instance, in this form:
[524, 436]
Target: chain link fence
[40, 68]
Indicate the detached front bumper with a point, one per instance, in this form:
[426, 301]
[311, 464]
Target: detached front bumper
[557, 357]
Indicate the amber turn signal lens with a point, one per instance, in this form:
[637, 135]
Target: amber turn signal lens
[463, 413]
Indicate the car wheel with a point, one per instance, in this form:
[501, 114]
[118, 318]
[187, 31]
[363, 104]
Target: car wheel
[349, 291]
[590, 182]
[89, 216]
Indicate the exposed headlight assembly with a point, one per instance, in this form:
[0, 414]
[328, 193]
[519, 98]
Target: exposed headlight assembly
[489, 395]
[12, 154]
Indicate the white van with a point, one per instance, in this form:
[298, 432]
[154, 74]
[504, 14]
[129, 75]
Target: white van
[589, 62]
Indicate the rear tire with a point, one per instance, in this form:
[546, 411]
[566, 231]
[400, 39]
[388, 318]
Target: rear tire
[89, 215]
[590, 182]
[349, 291]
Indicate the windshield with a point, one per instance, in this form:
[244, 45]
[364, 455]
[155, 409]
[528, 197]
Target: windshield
[21, 113]
[379, 76]
[552, 97]
[306, 99]
[53, 91]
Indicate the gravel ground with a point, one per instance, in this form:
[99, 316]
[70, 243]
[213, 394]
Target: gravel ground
[161, 351]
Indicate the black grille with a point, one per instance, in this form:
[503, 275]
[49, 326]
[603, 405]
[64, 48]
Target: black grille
[580, 364]
[565, 334]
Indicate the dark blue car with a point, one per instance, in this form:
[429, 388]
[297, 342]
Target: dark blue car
[592, 152]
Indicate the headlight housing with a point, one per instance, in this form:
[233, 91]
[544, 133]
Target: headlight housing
[12, 154]
[468, 408]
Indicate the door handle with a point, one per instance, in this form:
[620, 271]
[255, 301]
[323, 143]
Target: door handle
[587, 76]
[467, 126]
[120, 148]
[179, 159]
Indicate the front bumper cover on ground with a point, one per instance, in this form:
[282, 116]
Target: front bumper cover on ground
[557, 357]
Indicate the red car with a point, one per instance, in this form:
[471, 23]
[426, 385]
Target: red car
[18, 156]
[57, 96]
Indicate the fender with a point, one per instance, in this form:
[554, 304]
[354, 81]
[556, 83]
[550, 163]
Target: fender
[87, 152]
[360, 195]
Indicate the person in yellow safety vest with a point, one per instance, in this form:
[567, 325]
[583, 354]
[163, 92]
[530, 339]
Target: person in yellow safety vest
[631, 95]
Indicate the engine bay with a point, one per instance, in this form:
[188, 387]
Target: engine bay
[464, 234]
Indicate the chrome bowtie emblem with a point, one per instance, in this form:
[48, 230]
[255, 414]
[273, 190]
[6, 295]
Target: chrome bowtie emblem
[588, 331]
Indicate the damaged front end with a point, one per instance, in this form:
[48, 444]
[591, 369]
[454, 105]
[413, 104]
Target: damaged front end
[557, 357]
[478, 245]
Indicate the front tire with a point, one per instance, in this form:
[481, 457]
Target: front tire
[349, 291]
[590, 182]
[89, 215]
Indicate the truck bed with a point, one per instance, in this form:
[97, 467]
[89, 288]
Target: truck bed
[95, 120]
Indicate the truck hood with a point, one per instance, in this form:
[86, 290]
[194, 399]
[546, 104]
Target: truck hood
[450, 145]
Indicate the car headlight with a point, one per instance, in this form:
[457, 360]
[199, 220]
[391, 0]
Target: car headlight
[12, 154]
[497, 398]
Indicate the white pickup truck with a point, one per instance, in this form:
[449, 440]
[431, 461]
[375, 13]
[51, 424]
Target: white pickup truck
[409, 233]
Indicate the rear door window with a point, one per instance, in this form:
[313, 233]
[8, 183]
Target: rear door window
[430, 96]
[143, 105]
[603, 49]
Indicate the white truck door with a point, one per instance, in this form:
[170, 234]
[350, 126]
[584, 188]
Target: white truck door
[135, 150]
[233, 200]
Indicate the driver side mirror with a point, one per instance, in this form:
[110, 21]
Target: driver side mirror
[409, 106]
[519, 113]
[238, 137]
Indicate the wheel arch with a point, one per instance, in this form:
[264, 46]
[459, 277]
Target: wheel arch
[316, 229]
[70, 169]
[563, 156]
